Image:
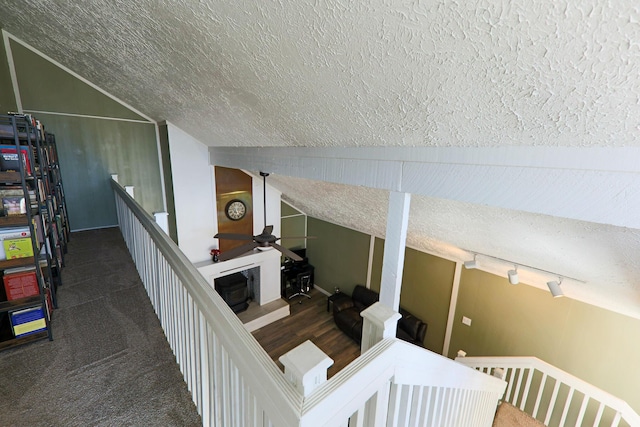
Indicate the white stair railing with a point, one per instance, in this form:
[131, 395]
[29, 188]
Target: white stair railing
[399, 384]
[234, 382]
[554, 396]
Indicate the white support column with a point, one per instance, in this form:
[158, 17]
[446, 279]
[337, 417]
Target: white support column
[114, 176]
[453, 303]
[306, 367]
[162, 219]
[129, 189]
[394, 247]
[378, 322]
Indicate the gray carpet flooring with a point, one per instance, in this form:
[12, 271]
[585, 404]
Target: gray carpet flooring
[109, 363]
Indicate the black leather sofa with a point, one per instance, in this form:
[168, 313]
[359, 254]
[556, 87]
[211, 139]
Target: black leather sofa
[346, 313]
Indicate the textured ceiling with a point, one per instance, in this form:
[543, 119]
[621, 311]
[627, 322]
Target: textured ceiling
[548, 73]
[602, 256]
[326, 73]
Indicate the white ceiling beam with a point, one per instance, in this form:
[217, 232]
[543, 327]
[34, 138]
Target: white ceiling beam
[599, 185]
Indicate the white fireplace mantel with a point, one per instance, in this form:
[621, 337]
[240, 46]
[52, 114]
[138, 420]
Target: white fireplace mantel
[267, 260]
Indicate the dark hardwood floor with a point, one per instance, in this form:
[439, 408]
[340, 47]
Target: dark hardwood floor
[309, 320]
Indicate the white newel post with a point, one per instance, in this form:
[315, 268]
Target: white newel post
[114, 176]
[306, 367]
[129, 189]
[162, 219]
[379, 322]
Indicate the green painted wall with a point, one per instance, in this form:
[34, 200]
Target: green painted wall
[46, 87]
[288, 210]
[597, 345]
[340, 255]
[427, 282]
[341, 258]
[7, 99]
[90, 149]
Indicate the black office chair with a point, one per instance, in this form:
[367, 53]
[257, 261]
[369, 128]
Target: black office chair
[301, 285]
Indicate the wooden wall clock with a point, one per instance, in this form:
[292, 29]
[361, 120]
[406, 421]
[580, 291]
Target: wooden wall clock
[235, 210]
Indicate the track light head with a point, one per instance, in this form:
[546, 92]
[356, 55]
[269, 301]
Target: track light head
[513, 275]
[471, 264]
[554, 287]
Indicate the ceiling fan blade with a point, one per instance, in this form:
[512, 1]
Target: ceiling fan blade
[286, 252]
[230, 254]
[296, 237]
[268, 230]
[233, 236]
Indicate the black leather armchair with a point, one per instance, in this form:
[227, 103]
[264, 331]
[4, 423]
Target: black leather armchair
[346, 314]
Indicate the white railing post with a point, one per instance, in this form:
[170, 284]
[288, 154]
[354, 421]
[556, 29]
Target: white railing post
[162, 219]
[114, 176]
[379, 322]
[129, 189]
[306, 367]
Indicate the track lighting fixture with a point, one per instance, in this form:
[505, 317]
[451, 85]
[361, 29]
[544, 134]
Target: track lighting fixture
[471, 264]
[513, 275]
[554, 287]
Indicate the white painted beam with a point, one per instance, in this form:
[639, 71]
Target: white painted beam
[394, 248]
[599, 185]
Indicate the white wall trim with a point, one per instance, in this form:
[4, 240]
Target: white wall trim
[74, 74]
[372, 243]
[87, 116]
[214, 201]
[452, 309]
[12, 70]
[293, 207]
[292, 216]
[161, 167]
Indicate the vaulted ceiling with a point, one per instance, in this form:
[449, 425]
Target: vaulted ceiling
[534, 105]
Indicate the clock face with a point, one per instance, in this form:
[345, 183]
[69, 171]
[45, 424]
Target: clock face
[236, 210]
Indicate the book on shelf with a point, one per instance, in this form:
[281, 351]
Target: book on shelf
[27, 321]
[40, 228]
[20, 283]
[13, 233]
[12, 198]
[9, 160]
[17, 248]
[14, 205]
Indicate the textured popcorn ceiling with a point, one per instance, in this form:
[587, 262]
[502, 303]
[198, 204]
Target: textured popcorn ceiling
[546, 73]
[329, 73]
[603, 256]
